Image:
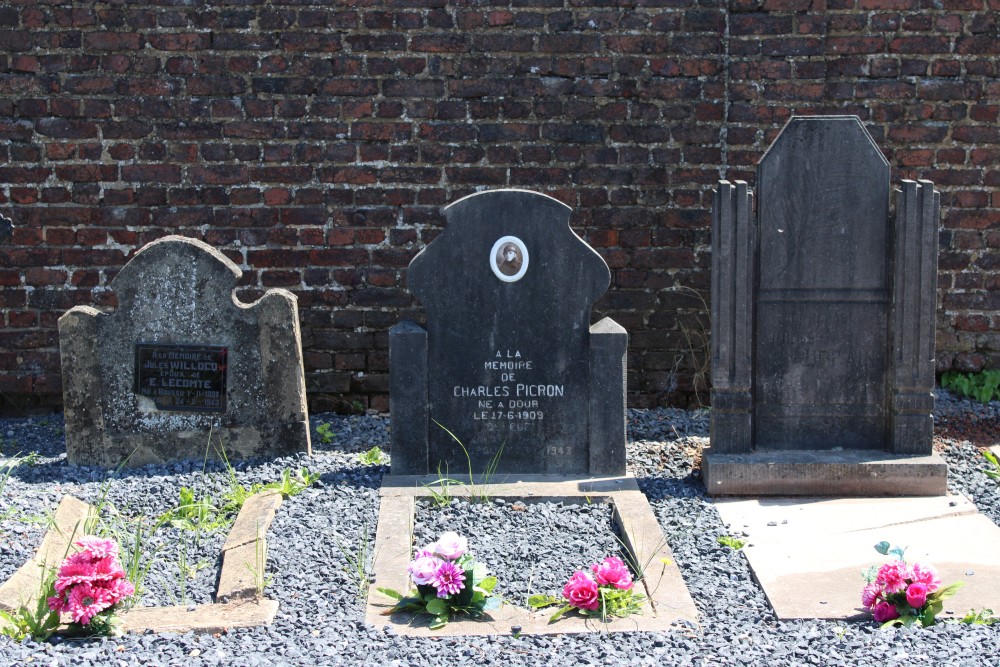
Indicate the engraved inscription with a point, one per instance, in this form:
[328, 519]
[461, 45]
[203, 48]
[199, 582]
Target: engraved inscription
[513, 400]
[182, 378]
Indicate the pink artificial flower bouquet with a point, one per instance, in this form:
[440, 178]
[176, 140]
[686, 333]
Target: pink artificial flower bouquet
[606, 591]
[448, 581]
[899, 593]
[90, 583]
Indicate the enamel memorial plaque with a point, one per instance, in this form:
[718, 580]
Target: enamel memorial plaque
[182, 377]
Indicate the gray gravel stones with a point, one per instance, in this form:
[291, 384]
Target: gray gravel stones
[316, 535]
[530, 547]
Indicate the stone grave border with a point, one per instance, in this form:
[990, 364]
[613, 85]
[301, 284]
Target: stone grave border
[236, 586]
[669, 605]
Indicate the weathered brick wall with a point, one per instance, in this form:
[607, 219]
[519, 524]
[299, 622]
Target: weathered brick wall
[315, 143]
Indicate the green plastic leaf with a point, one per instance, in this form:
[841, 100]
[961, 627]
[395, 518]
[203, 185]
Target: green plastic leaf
[542, 601]
[488, 584]
[492, 603]
[388, 592]
[436, 607]
[898, 552]
[870, 574]
[946, 592]
[882, 547]
[479, 573]
[439, 621]
[556, 616]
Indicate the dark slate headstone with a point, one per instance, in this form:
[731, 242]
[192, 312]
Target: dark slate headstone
[823, 312]
[181, 360]
[508, 363]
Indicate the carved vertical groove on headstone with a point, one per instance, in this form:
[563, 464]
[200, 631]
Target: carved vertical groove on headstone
[408, 398]
[914, 310]
[732, 317]
[608, 384]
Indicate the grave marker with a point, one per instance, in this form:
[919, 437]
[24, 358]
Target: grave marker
[823, 322]
[508, 362]
[181, 358]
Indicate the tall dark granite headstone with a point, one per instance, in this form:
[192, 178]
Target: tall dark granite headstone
[508, 362]
[181, 360]
[823, 321]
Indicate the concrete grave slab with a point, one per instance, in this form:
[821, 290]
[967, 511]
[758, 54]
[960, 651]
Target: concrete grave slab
[181, 359]
[669, 605]
[811, 566]
[774, 519]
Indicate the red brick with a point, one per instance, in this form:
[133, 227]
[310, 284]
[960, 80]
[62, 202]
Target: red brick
[112, 41]
[281, 141]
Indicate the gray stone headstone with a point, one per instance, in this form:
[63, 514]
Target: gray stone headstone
[179, 359]
[823, 311]
[508, 362]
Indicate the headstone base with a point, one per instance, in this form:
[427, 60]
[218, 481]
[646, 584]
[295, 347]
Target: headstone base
[858, 473]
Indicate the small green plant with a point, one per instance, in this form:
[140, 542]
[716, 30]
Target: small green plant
[236, 494]
[38, 622]
[731, 542]
[440, 489]
[195, 514]
[7, 469]
[994, 472]
[292, 486]
[261, 579]
[356, 557]
[478, 493]
[358, 406]
[984, 617]
[373, 457]
[133, 535]
[983, 386]
[694, 354]
[325, 433]
[642, 570]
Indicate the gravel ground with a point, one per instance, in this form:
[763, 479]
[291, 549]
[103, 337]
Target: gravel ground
[318, 533]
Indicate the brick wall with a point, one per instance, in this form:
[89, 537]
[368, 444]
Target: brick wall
[315, 143]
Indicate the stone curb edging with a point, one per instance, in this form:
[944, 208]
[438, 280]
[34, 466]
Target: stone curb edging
[245, 546]
[70, 522]
[669, 605]
[246, 539]
[201, 618]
